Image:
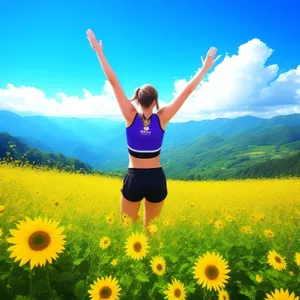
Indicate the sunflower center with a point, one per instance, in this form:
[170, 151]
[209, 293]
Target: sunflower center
[278, 259]
[39, 240]
[211, 272]
[105, 292]
[177, 293]
[159, 267]
[137, 247]
[224, 297]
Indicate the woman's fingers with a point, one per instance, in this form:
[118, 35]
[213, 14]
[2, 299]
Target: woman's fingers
[212, 51]
[217, 58]
[91, 34]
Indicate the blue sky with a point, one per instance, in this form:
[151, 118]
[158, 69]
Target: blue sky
[44, 42]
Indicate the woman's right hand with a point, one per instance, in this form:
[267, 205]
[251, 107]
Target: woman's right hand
[209, 60]
[97, 46]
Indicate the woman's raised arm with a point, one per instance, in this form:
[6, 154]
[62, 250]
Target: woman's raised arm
[167, 112]
[126, 106]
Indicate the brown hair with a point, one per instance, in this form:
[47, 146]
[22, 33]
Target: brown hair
[145, 95]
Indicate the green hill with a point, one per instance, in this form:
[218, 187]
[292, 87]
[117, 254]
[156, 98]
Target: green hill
[218, 157]
[289, 166]
[12, 148]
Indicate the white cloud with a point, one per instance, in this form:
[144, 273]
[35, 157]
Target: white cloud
[242, 84]
[31, 100]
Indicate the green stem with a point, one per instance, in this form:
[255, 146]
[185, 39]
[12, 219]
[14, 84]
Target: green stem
[49, 282]
[30, 291]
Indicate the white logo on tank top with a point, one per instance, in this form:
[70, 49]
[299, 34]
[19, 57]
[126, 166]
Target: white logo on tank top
[144, 132]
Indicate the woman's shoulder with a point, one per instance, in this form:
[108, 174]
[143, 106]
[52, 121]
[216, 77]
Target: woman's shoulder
[131, 119]
[160, 121]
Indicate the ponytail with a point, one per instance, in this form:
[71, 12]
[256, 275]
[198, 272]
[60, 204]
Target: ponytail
[157, 105]
[135, 95]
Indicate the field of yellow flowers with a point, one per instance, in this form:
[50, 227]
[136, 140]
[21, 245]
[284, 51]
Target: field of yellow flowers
[62, 237]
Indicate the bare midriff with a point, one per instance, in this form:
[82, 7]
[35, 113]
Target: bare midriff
[145, 163]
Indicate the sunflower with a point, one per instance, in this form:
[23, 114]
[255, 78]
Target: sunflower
[297, 258]
[219, 225]
[114, 262]
[2, 209]
[104, 242]
[36, 241]
[276, 260]
[110, 220]
[211, 220]
[211, 270]
[281, 295]
[258, 278]
[12, 219]
[158, 265]
[152, 229]
[175, 290]
[223, 295]
[105, 288]
[269, 233]
[137, 246]
[247, 229]
[126, 222]
[166, 222]
[229, 218]
[258, 217]
[125, 216]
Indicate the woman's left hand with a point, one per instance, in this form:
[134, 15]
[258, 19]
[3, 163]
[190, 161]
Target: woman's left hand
[97, 46]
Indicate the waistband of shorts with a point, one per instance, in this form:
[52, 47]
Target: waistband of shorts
[144, 170]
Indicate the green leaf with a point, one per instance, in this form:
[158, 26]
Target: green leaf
[80, 289]
[65, 277]
[184, 266]
[248, 291]
[173, 258]
[39, 287]
[190, 289]
[19, 297]
[142, 278]
[155, 286]
[125, 279]
[106, 259]
[78, 261]
[4, 276]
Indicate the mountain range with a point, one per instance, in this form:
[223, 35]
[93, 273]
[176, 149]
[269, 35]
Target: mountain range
[218, 149]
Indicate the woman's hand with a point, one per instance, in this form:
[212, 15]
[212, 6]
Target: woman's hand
[209, 60]
[97, 46]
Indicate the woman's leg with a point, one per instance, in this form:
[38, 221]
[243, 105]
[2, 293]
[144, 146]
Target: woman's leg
[151, 211]
[130, 208]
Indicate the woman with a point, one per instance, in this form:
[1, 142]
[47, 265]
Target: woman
[144, 133]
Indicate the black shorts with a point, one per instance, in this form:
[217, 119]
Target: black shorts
[145, 183]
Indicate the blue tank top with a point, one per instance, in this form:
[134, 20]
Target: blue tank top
[143, 143]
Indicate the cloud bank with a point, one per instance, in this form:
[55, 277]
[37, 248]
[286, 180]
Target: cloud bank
[242, 84]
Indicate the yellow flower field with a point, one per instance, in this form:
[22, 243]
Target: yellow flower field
[62, 237]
